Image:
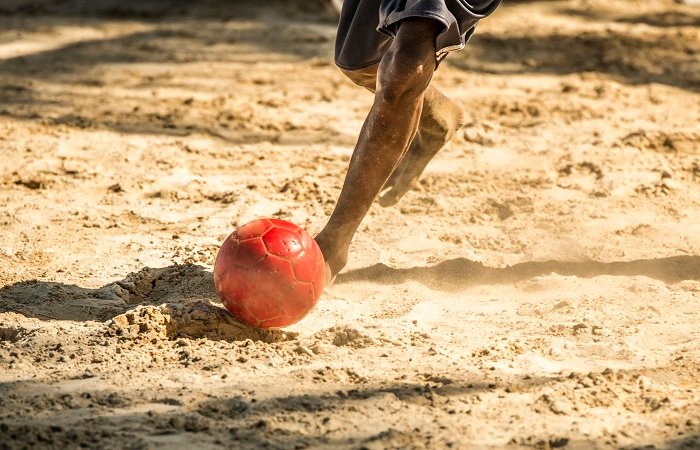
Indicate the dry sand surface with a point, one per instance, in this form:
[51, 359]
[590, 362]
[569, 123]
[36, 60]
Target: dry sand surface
[539, 289]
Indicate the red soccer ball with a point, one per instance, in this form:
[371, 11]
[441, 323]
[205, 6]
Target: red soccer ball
[269, 273]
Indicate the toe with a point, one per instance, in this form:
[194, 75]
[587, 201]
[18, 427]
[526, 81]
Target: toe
[388, 199]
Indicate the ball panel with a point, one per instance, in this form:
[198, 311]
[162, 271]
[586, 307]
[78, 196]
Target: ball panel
[312, 247]
[277, 272]
[224, 256]
[268, 287]
[238, 311]
[223, 279]
[262, 308]
[219, 280]
[308, 242]
[319, 281]
[277, 322]
[304, 267]
[248, 253]
[235, 284]
[233, 292]
[281, 223]
[301, 299]
[283, 242]
[253, 229]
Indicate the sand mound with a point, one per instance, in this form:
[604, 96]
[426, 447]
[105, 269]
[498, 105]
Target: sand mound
[189, 320]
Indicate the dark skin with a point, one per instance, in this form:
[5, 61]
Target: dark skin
[409, 122]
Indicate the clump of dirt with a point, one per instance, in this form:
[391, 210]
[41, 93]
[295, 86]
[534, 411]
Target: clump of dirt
[344, 336]
[146, 322]
[168, 284]
[10, 334]
[194, 320]
[661, 141]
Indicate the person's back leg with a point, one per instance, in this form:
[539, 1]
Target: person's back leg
[440, 118]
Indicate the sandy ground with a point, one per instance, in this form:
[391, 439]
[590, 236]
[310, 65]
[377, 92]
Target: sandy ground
[540, 289]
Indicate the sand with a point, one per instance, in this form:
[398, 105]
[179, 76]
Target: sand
[539, 289]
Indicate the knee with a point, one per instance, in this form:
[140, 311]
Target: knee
[404, 74]
[365, 77]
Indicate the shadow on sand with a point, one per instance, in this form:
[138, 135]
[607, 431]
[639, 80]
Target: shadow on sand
[173, 34]
[461, 273]
[685, 17]
[183, 293]
[625, 57]
[192, 284]
[147, 418]
[160, 40]
[233, 420]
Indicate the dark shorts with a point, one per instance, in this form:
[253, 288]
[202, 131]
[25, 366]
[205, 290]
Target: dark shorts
[367, 27]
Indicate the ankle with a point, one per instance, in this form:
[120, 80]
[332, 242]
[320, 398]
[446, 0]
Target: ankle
[334, 250]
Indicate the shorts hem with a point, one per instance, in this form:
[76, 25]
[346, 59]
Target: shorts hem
[360, 67]
[397, 17]
[441, 52]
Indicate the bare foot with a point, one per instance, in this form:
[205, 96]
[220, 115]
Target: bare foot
[335, 254]
[441, 119]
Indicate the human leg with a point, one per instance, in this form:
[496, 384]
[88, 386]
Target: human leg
[440, 118]
[403, 76]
